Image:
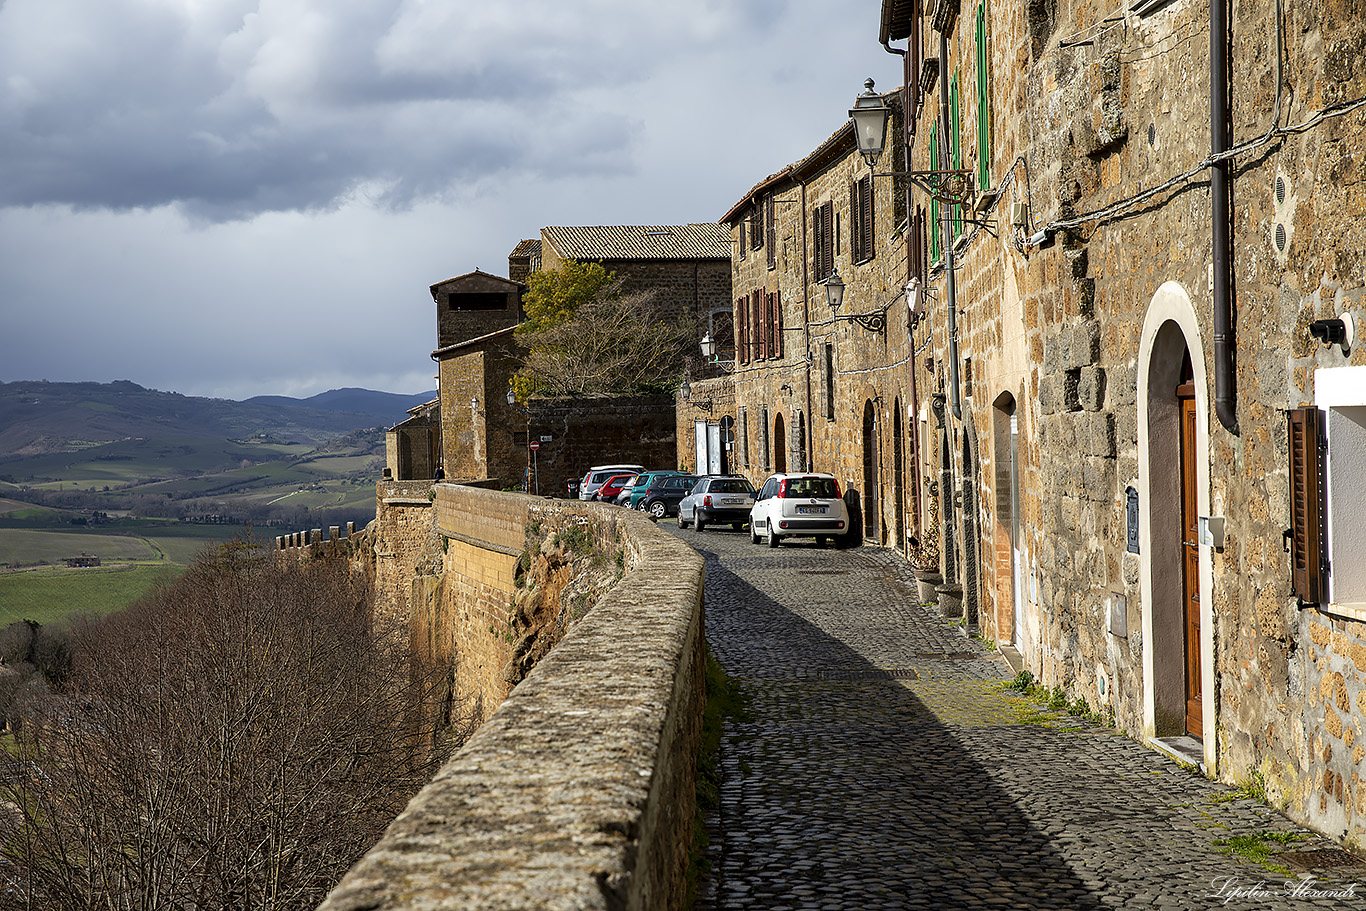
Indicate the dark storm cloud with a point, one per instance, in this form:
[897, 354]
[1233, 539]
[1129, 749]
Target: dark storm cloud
[234, 108]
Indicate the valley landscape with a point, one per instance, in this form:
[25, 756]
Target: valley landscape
[140, 481]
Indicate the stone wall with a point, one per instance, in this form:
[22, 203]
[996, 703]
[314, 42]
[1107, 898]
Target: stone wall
[635, 430]
[579, 790]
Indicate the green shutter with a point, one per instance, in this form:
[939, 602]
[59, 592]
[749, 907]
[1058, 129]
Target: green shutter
[934, 202]
[983, 118]
[956, 151]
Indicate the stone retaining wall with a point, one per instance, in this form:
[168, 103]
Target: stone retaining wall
[579, 790]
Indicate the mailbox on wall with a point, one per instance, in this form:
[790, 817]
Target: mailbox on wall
[1131, 520]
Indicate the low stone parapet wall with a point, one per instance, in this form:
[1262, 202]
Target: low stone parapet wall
[578, 792]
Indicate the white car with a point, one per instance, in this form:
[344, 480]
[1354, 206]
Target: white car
[802, 505]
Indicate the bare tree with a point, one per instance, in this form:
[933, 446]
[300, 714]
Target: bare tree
[613, 344]
[236, 740]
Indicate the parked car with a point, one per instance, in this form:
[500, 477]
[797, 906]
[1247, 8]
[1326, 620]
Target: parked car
[608, 490]
[624, 498]
[663, 493]
[643, 481]
[715, 499]
[599, 473]
[799, 506]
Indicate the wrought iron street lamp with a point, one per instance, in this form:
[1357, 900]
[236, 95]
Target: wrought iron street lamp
[869, 115]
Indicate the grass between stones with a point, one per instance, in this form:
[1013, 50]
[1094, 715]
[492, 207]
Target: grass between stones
[1257, 848]
[1051, 704]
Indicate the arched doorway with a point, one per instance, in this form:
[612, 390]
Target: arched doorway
[1006, 531]
[1174, 571]
[898, 477]
[779, 445]
[871, 505]
[971, 539]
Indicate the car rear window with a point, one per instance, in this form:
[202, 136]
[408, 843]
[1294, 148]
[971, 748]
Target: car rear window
[821, 488]
[731, 485]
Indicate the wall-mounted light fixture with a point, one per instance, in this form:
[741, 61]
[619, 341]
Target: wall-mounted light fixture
[710, 354]
[873, 320]
[870, 114]
[685, 393]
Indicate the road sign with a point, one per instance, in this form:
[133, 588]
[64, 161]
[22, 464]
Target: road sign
[535, 445]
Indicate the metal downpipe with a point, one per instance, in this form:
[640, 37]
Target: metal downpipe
[1225, 406]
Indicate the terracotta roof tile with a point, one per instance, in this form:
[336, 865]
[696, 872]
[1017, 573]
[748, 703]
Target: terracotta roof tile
[697, 241]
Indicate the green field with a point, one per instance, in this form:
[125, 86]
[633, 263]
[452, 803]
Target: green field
[48, 595]
[23, 546]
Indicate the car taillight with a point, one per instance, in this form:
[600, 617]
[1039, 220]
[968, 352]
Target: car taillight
[837, 489]
[782, 488]
[706, 501]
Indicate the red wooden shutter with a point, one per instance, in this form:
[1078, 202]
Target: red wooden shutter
[1306, 504]
[742, 324]
[777, 324]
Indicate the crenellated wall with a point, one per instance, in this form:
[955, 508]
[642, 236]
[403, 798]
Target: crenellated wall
[579, 789]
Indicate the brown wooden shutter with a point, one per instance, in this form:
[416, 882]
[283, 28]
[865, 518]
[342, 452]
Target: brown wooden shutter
[761, 320]
[742, 325]
[828, 247]
[771, 233]
[866, 216]
[777, 324]
[1306, 504]
[855, 233]
[817, 241]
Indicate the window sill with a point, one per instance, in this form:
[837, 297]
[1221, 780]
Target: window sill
[1349, 610]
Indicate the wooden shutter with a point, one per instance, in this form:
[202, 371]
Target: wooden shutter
[828, 246]
[770, 233]
[855, 228]
[760, 316]
[1306, 504]
[817, 241]
[866, 217]
[756, 227]
[777, 310]
[742, 327]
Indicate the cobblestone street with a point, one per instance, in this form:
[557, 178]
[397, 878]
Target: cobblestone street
[883, 764]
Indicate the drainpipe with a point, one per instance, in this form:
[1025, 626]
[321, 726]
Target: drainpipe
[1224, 405]
[950, 298]
[910, 419]
[809, 443]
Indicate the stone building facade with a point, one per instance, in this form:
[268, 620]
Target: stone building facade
[1121, 318]
[686, 267]
[817, 388]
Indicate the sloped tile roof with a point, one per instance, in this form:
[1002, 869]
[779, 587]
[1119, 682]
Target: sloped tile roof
[697, 241]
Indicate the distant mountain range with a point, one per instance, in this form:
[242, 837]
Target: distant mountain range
[39, 417]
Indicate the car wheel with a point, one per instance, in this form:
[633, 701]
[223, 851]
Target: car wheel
[772, 536]
[737, 525]
[698, 521]
[658, 509]
[820, 542]
[682, 523]
[753, 535]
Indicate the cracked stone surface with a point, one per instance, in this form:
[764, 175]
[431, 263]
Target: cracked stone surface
[935, 786]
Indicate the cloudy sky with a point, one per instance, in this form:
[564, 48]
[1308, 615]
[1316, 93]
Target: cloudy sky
[241, 197]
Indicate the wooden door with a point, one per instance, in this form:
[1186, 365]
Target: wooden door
[1190, 562]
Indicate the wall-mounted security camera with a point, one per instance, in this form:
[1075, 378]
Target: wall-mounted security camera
[1043, 240]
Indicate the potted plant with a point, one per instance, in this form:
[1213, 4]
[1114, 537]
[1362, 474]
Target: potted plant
[924, 555]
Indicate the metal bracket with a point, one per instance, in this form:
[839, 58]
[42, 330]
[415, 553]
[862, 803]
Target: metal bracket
[952, 186]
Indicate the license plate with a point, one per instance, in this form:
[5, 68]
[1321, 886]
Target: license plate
[731, 501]
[810, 510]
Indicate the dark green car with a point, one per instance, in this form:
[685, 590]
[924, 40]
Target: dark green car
[643, 481]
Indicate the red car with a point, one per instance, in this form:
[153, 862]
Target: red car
[612, 486]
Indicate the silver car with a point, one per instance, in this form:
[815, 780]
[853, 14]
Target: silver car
[715, 500]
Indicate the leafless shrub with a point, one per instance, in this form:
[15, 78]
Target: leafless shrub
[234, 741]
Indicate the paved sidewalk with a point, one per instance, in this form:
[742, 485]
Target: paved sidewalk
[884, 766]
